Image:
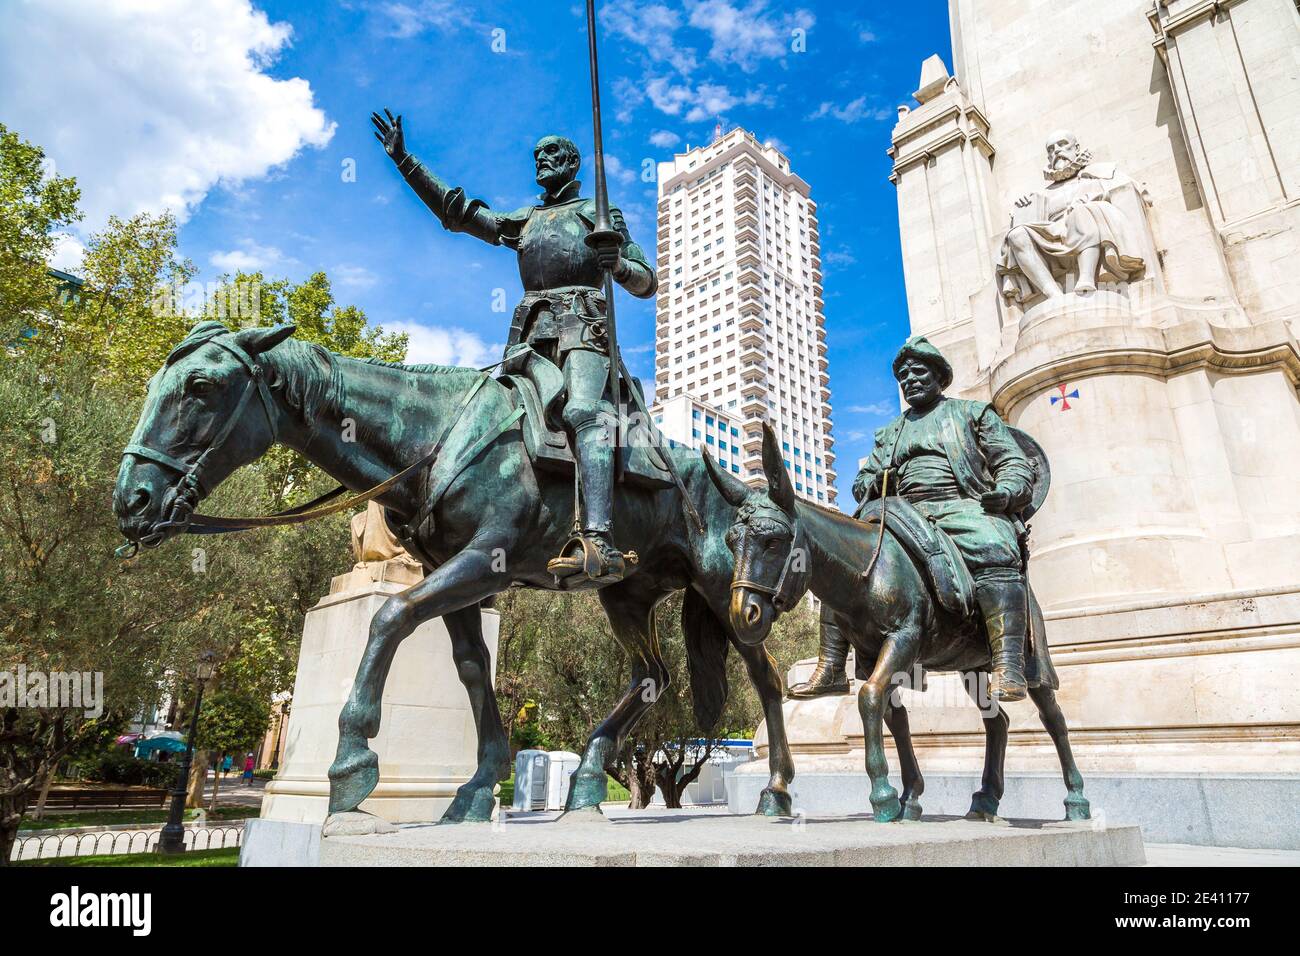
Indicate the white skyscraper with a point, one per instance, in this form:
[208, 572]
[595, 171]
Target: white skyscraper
[739, 325]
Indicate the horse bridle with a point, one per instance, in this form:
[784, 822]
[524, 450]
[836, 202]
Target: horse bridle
[191, 480]
[781, 599]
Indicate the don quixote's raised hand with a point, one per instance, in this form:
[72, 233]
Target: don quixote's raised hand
[389, 132]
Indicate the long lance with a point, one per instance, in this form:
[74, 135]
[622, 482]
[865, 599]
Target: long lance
[603, 234]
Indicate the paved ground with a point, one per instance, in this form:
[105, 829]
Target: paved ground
[233, 793]
[1181, 854]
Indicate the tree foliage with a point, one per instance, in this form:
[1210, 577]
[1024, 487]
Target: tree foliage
[558, 663]
[74, 364]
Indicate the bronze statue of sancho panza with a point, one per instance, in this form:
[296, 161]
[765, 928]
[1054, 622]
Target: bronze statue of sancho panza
[560, 321]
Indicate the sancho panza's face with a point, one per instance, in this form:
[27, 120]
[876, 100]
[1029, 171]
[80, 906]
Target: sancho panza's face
[920, 383]
[557, 162]
[1062, 149]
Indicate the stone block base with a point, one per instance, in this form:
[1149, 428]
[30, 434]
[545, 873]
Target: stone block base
[1253, 811]
[685, 838]
[277, 843]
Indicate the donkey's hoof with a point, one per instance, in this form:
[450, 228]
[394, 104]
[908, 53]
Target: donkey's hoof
[912, 810]
[774, 803]
[885, 804]
[1077, 808]
[588, 790]
[473, 804]
[353, 778]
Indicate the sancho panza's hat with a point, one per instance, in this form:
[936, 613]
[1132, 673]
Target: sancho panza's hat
[919, 347]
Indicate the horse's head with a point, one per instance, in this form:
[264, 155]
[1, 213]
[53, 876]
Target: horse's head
[208, 412]
[767, 541]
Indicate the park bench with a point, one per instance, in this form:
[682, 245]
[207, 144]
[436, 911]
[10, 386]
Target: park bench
[116, 798]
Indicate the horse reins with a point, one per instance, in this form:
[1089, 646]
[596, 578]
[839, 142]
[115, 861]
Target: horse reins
[880, 539]
[317, 507]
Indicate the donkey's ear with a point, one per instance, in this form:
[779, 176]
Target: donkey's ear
[779, 488]
[263, 339]
[733, 490]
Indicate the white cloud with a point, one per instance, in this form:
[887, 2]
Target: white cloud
[702, 102]
[664, 139]
[248, 257]
[68, 252]
[353, 277]
[875, 408]
[746, 34]
[440, 345]
[650, 26]
[151, 105]
[852, 112]
[615, 170]
[405, 20]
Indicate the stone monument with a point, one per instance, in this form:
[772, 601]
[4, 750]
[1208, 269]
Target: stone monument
[426, 742]
[1163, 390]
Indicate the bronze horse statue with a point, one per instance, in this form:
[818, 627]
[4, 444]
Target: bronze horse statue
[481, 519]
[784, 547]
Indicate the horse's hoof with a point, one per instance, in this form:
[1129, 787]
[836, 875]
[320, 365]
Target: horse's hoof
[885, 804]
[774, 803]
[354, 823]
[912, 810]
[587, 790]
[353, 778]
[473, 804]
[982, 806]
[980, 816]
[1077, 808]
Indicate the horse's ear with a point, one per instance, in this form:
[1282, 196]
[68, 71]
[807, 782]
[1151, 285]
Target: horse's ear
[732, 489]
[263, 339]
[779, 488]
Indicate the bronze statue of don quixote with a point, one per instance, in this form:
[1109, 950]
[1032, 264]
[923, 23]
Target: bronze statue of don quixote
[538, 465]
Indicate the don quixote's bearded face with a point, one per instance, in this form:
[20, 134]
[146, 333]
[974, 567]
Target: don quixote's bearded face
[557, 160]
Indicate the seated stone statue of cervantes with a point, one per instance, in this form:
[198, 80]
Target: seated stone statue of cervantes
[1069, 226]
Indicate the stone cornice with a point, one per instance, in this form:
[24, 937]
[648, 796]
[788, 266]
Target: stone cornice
[1059, 354]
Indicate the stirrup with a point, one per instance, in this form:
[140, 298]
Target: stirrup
[584, 555]
[820, 684]
[1008, 685]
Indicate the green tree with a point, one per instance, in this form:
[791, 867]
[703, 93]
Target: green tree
[557, 651]
[231, 720]
[34, 206]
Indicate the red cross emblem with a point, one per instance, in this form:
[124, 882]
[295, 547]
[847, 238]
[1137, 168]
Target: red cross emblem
[1064, 397]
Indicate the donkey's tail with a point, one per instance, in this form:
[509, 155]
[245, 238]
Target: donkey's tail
[706, 656]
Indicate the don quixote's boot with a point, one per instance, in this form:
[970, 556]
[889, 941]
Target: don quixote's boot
[1004, 605]
[828, 677]
[590, 555]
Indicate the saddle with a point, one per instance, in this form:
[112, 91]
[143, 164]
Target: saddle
[951, 583]
[933, 551]
[548, 446]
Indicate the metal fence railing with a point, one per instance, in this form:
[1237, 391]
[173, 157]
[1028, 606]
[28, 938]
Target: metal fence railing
[115, 842]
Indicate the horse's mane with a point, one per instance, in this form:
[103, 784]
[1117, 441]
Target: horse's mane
[313, 375]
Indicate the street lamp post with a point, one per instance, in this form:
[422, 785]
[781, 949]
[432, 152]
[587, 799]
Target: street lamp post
[173, 834]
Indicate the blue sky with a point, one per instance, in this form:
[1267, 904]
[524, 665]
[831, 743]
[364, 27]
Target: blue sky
[669, 70]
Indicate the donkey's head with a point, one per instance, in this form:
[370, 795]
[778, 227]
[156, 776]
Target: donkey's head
[767, 541]
[209, 411]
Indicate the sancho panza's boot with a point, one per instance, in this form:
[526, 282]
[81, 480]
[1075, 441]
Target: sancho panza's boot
[829, 676]
[1004, 605]
[591, 553]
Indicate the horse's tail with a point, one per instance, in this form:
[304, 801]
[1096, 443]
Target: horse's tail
[706, 656]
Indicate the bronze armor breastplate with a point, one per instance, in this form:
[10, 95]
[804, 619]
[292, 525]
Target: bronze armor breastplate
[552, 252]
